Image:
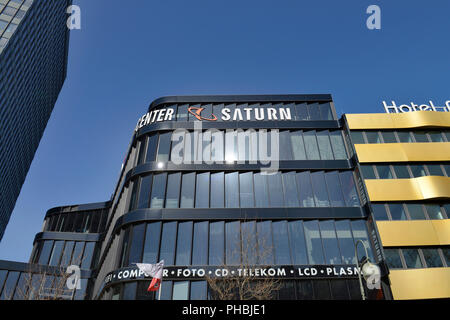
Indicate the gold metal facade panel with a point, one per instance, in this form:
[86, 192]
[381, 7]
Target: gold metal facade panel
[427, 283]
[414, 233]
[416, 119]
[403, 152]
[422, 188]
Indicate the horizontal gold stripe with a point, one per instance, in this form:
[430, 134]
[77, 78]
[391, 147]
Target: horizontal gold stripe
[403, 152]
[422, 188]
[430, 283]
[414, 233]
[416, 119]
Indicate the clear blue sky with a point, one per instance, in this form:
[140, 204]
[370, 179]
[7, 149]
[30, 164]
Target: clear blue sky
[129, 53]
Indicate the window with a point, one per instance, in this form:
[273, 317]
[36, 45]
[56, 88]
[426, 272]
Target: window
[357, 137]
[393, 258]
[360, 233]
[330, 244]
[261, 190]
[435, 170]
[312, 150]
[142, 145]
[198, 290]
[389, 137]
[216, 243]
[89, 254]
[10, 285]
[290, 189]
[397, 211]
[45, 252]
[164, 147]
[404, 136]
[217, 190]
[200, 244]
[412, 258]
[305, 189]
[180, 290]
[338, 145]
[78, 252]
[231, 152]
[415, 211]
[136, 245]
[275, 190]
[144, 192]
[233, 243]
[436, 137]
[367, 171]
[67, 255]
[314, 111]
[129, 291]
[320, 189]
[265, 246]
[334, 189]
[434, 211]
[187, 190]
[281, 242]
[285, 152]
[349, 189]
[325, 111]
[246, 189]
[384, 172]
[151, 244]
[231, 190]
[151, 150]
[418, 170]
[158, 190]
[313, 242]
[297, 243]
[401, 171]
[379, 212]
[420, 136]
[346, 243]
[324, 145]
[168, 239]
[184, 243]
[217, 144]
[202, 193]
[432, 258]
[373, 137]
[56, 253]
[298, 147]
[173, 190]
[302, 111]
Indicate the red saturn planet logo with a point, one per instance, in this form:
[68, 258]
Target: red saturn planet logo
[196, 112]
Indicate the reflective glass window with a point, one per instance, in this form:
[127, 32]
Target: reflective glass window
[379, 211]
[217, 146]
[435, 170]
[393, 258]
[249, 243]
[415, 211]
[265, 245]
[151, 149]
[231, 190]
[420, 136]
[231, 148]
[144, 192]
[216, 243]
[180, 290]
[164, 147]
[346, 243]
[56, 253]
[322, 290]
[337, 142]
[198, 290]
[367, 171]
[389, 137]
[339, 290]
[334, 189]
[200, 244]
[290, 189]
[173, 190]
[233, 243]
[418, 170]
[314, 111]
[158, 190]
[281, 242]
[217, 190]
[78, 253]
[434, 211]
[136, 245]
[432, 258]
[305, 189]
[302, 111]
[45, 252]
[246, 189]
[166, 290]
[67, 255]
[187, 190]
[404, 136]
[313, 242]
[285, 152]
[129, 291]
[312, 150]
[297, 242]
[360, 233]
[151, 245]
[167, 250]
[325, 111]
[323, 140]
[357, 137]
[397, 211]
[436, 136]
[298, 146]
[88, 255]
[412, 258]
[10, 285]
[384, 172]
[184, 242]
[202, 190]
[275, 190]
[261, 190]
[330, 244]
[320, 189]
[373, 137]
[401, 171]
[142, 145]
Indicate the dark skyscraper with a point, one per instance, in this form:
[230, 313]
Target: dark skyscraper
[34, 41]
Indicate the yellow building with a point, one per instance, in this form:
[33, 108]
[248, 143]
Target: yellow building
[405, 162]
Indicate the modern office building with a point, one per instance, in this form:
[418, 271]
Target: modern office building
[266, 187]
[405, 162]
[34, 42]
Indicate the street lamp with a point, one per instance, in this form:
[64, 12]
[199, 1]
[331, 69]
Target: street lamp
[366, 268]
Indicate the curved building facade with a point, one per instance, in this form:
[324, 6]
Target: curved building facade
[266, 187]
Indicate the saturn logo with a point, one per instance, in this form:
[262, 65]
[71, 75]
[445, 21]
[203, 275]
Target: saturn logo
[196, 112]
